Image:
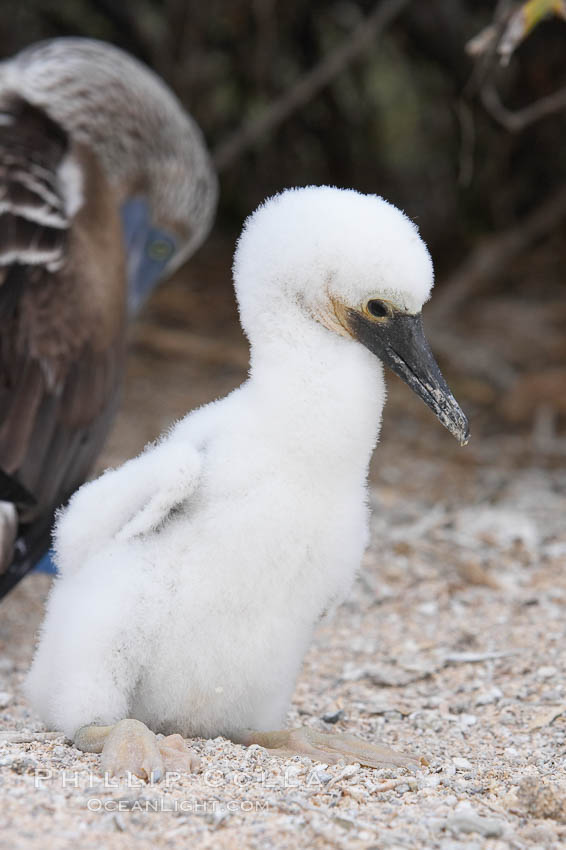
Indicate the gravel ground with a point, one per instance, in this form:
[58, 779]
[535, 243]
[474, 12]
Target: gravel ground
[451, 647]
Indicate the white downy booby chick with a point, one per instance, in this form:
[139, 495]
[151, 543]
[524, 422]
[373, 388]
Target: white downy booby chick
[192, 577]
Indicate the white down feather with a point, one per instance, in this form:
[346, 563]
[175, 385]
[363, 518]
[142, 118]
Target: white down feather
[192, 576]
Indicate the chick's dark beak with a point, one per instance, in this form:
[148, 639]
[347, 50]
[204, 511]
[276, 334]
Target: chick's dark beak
[400, 343]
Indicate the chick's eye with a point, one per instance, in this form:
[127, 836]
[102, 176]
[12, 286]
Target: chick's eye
[379, 309]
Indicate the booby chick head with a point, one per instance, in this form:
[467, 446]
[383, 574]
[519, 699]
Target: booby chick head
[354, 264]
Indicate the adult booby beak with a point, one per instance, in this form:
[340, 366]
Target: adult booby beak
[399, 341]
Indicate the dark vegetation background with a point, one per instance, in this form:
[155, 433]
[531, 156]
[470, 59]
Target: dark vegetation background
[410, 116]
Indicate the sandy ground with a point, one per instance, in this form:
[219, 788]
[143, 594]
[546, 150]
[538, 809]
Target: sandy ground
[451, 647]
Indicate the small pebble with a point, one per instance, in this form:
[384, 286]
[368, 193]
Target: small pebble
[403, 788]
[5, 699]
[489, 697]
[462, 764]
[318, 777]
[546, 672]
[429, 609]
[466, 820]
[346, 773]
[333, 718]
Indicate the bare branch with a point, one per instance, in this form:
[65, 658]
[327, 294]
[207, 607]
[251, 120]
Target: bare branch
[519, 23]
[510, 26]
[486, 57]
[309, 85]
[515, 121]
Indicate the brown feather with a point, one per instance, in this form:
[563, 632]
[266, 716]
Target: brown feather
[62, 313]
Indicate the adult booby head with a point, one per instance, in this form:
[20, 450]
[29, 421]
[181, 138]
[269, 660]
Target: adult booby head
[363, 272]
[106, 187]
[151, 151]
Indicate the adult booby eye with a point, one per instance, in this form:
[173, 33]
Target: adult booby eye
[149, 249]
[379, 309]
[160, 249]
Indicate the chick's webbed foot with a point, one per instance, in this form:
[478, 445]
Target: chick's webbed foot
[129, 747]
[329, 748]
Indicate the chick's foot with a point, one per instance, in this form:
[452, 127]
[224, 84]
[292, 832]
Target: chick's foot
[330, 748]
[129, 747]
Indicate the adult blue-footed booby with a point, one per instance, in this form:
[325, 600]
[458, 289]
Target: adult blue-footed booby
[105, 187]
[192, 577]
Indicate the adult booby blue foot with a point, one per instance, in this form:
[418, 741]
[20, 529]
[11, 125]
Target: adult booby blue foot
[192, 577]
[105, 187]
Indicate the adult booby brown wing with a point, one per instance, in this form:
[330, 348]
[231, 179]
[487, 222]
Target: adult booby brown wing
[62, 321]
